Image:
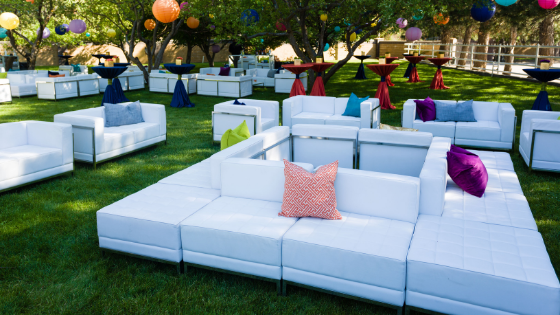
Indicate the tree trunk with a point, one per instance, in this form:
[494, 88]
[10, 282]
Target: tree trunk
[445, 38]
[511, 50]
[546, 36]
[466, 41]
[189, 53]
[483, 39]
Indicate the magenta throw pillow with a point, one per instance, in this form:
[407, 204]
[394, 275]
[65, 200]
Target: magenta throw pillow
[224, 71]
[426, 109]
[467, 171]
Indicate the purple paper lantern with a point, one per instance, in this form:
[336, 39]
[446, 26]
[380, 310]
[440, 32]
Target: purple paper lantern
[548, 4]
[212, 27]
[402, 23]
[216, 49]
[78, 26]
[46, 32]
[413, 33]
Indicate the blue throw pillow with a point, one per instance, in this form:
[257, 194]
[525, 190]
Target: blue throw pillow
[76, 67]
[464, 112]
[353, 106]
[445, 111]
[120, 114]
[236, 102]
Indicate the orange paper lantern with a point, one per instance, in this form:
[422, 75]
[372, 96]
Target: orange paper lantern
[150, 24]
[439, 19]
[192, 22]
[166, 11]
[32, 1]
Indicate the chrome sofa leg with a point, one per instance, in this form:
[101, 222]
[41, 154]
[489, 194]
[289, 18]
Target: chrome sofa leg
[284, 288]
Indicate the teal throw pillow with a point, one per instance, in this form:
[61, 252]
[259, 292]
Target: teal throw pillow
[353, 106]
[76, 67]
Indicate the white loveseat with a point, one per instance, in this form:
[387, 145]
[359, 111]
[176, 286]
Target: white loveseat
[323, 110]
[494, 127]
[31, 151]
[165, 82]
[259, 116]
[233, 72]
[539, 143]
[83, 70]
[260, 76]
[284, 81]
[67, 87]
[23, 82]
[94, 143]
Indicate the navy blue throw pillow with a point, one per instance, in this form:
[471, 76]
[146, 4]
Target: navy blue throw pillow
[236, 102]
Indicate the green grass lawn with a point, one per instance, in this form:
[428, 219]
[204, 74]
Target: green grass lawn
[49, 256]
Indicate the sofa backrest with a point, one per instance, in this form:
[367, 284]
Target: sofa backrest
[486, 110]
[255, 179]
[243, 149]
[318, 104]
[94, 112]
[395, 152]
[16, 78]
[269, 109]
[13, 134]
[389, 196]
[340, 105]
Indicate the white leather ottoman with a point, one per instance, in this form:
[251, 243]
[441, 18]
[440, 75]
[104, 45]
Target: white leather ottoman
[324, 144]
[147, 223]
[495, 160]
[198, 175]
[465, 267]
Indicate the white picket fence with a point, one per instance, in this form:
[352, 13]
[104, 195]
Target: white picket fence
[493, 66]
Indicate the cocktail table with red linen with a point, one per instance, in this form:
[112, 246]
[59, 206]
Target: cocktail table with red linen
[297, 87]
[414, 60]
[318, 86]
[390, 60]
[382, 90]
[437, 82]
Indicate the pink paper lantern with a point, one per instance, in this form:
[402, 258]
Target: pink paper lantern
[413, 33]
[216, 49]
[402, 23]
[184, 6]
[548, 4]
[77, 26]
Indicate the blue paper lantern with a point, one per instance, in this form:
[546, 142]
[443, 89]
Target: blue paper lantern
[483, 11]
[337, 29]
[250, 17]
[3, 32]
[506, 3]
[358, 31]
[60, 30]
[88, 34]
[327, 46]
[262, 40]
[418, 15]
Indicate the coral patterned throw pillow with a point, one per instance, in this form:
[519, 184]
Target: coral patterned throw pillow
[310, 195]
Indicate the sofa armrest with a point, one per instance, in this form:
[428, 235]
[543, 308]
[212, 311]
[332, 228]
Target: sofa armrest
[269, 109]
[409, 114]
[82, 127]
[528, 115]
[291, 107]
[52, 135]
[506, 118]
[370, 114]
[242, 111]
[433, 184]
[155, 113]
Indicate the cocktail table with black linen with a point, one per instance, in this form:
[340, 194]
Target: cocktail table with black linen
[180, 94]
[544, 76]
[113, 93]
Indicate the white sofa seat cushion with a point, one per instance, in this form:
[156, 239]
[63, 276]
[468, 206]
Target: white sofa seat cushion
[151, 217]
[438, 129]
[358, 248]
[343, 121]
[310, 118]
[197, 175]
[23, 89]
[342, 132]
[501, 204]
[267, 123]
[122, 136]
[498, 268]
[238, 228]
[484, 130]
[30, 159]
[495, 160]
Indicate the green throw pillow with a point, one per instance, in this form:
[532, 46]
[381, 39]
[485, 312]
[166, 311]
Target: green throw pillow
[3, 75]
[558, 116]
[231, 137]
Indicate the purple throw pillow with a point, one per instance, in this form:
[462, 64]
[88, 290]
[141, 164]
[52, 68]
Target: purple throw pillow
[224, 71]
[467, 171]
[426, 109]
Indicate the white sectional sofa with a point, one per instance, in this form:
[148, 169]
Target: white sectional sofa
[23, 84]
[408, 238]
[5, 91]
[325, 110]
[165, 82]
[284, 81]
[259, 116]
[540, 140]
[226, 86]
[130, 80]
[494, 127]
[233, 72]
[70, 69]
[95, 143]
[31, 151]
[67, 87]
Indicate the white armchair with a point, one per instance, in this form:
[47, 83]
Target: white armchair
[540, 140]
[94, 143]
[5, 91]
[260, 76]
[34, 150]
[259, 115]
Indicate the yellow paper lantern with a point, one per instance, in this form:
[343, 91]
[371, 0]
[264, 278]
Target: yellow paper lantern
[192, 22]
[166, 11]
[111, 33]
[211, 16]
[9, 20]
[352, 37]
[150, 24]
[373, 24]
[323, 17]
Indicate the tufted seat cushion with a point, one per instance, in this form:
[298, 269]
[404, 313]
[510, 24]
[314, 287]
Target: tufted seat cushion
[461, 267]
[437, 128]
[310, 118]
[495, 160]
[147, 223]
